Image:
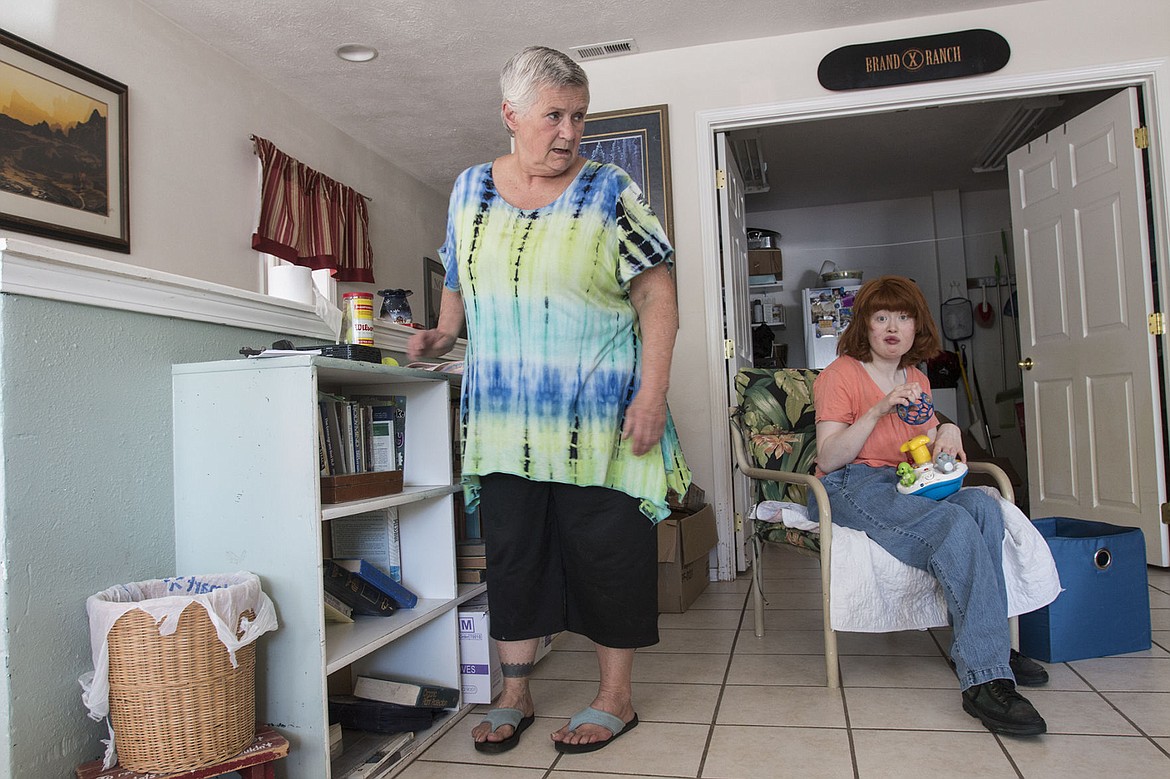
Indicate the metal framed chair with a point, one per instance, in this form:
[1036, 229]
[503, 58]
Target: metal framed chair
[773, 434]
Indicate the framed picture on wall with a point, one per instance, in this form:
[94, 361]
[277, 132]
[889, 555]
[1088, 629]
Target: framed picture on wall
[432, 291]
[433, 275]
[63, 149]
[638, 141]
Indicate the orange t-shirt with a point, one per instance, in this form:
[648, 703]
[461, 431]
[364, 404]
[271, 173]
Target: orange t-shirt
[844, 391]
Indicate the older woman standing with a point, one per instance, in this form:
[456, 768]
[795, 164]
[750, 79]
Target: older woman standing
[561, 271]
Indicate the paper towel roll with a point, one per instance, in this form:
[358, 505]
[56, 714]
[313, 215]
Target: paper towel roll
[291, 282]
[325, 283]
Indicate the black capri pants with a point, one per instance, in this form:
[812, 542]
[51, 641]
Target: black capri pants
[564, 557]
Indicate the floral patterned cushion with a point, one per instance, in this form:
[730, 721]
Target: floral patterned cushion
[776, 413]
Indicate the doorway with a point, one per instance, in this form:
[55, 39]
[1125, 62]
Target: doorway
[922, 193]
[819, 115]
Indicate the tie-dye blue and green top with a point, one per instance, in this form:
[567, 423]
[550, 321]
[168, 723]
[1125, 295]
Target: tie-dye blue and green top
[554, 351]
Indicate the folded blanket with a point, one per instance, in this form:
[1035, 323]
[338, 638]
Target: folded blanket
[871, 592]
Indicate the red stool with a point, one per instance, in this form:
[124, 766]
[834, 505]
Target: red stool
[255, 762]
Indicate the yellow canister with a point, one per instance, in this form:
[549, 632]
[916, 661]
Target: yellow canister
[357, 324]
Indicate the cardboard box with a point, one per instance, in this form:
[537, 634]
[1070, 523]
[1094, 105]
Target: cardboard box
[479, 663]
[765, 261]
[544, 646]
[683, 543]
[693, 501]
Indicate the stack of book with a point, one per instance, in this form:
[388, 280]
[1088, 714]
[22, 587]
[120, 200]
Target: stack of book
[364, 589]
[391, 705]
[361, 434]
[471, 561]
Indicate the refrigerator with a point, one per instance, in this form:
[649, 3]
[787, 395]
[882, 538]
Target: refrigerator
[827, 312]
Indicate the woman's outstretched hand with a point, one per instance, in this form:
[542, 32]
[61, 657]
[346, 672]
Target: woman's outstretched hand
[948, 439]
[903, 395]
[429, 343]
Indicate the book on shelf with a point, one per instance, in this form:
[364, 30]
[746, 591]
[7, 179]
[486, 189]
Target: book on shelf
[430, 696]
[471, 561]
[357, 713]
[399, 405]
[380, 580]
[384, 445]
[364, 598]
[336, 610]
[336, 740]
[390, 409]
[372, 535]
[387, 753]
[470, 575]
[325, 461]
[470, 547]
[331, 432]
[357, 427]
[345, 425]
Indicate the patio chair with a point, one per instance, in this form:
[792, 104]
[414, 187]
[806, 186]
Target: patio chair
[774, 444]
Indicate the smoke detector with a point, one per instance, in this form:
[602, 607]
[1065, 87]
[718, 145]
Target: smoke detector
[595, 51]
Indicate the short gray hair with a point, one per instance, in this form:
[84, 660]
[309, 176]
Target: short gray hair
[536, 67]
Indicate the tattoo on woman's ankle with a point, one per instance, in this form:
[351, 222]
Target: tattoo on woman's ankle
[516, 670]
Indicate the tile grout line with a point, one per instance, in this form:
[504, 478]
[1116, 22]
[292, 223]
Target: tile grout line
[1120, 713]
[723, 685]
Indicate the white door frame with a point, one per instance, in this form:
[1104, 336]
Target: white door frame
[1146, 74]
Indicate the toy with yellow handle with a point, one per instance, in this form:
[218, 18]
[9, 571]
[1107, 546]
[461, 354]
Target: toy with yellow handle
[932, 479]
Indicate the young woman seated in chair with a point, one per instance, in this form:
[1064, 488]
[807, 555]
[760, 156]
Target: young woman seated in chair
[957, 539]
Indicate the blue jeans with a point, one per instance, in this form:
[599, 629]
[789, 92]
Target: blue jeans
[958, 540]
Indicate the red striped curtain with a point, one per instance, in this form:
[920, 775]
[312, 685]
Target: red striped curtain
[309, 219]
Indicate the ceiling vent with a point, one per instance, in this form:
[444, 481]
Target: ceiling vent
[1017, 129]
[749, 157]
[599, 50]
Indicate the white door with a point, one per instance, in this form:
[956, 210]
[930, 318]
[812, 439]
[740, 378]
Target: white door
[1092, 397]
[736, 330]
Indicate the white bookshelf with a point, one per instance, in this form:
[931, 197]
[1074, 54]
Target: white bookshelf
[247, 497]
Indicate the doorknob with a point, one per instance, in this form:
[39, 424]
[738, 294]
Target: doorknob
[1026, 363]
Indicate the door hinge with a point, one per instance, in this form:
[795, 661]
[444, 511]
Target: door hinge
[1157, 323]
[720, 179]
[728, 348]
[1166, 513]
[738, 522]
[1141, 138]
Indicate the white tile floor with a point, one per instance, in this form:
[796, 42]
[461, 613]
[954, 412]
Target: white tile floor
[717, 702]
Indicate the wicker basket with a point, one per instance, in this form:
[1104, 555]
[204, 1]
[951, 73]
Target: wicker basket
[176, 702]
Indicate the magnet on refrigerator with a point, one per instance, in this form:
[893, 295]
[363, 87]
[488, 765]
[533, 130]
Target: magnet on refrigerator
[827, 312]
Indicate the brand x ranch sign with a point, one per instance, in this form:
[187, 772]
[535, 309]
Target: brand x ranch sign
[905, 61]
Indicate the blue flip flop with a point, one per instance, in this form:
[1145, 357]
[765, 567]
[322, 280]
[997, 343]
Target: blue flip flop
[592, 716]
[497, 718]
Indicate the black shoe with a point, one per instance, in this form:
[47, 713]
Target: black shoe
[1003, 710]
[1027, 671]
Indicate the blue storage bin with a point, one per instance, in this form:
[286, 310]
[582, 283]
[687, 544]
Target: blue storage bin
[1105, 606]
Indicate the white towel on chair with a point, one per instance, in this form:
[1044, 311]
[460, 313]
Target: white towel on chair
[874, 593]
